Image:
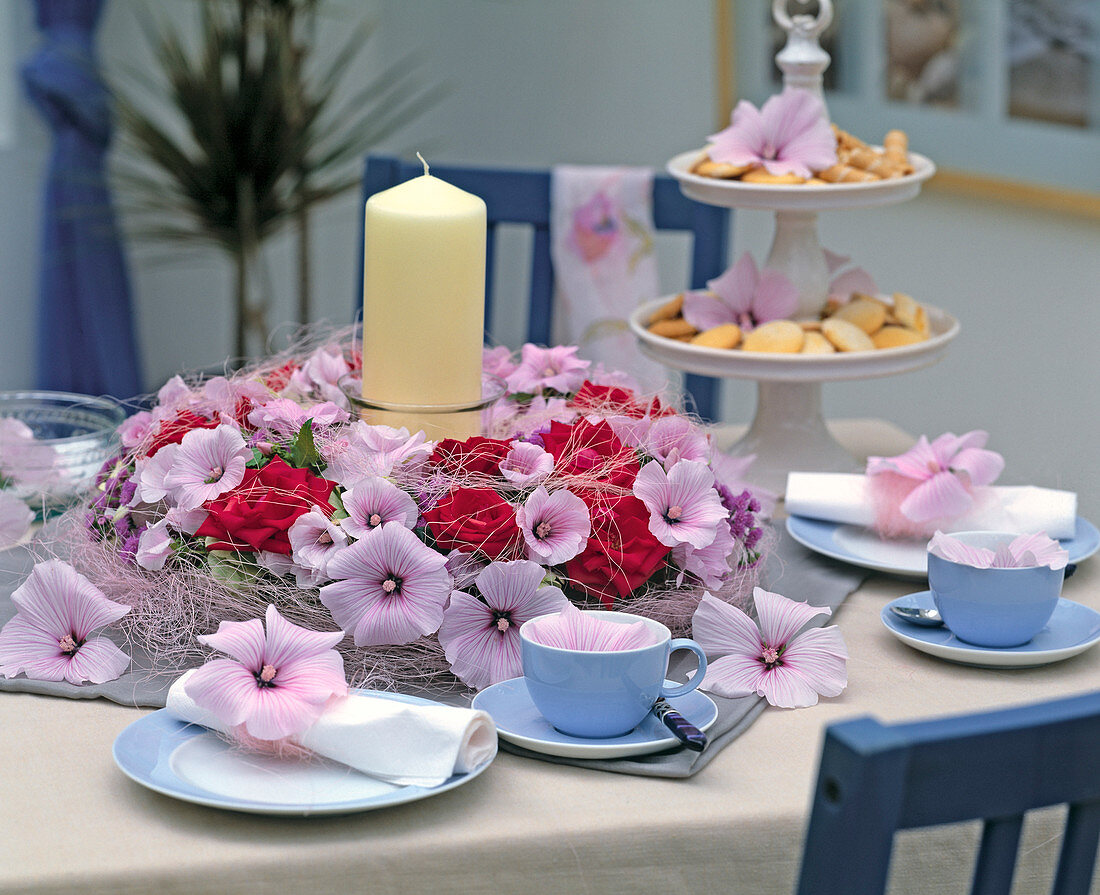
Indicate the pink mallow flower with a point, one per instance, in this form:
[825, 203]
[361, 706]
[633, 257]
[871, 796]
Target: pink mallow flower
[154, 547]
[50, 637]
[314, 540]
[497, 361]
[209, 462]
[789, 134]
[944, 473]
[373, 502]
[526, 464]
[743, 295]
[846, 280]
[773, 660]
[15, 520]
[557, 369]
[275, 684]
[555, 525]
[390, 587]
[480, 637]
[1026, 551]
[684, 507]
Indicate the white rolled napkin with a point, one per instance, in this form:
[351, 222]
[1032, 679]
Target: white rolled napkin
[845, 498]
[399, 742]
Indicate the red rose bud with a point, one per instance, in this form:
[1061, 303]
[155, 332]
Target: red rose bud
[622, 553]
[172, 431]
[257, 514]
[470, 519]
[474, 455]
[591, 451]
[611, 400]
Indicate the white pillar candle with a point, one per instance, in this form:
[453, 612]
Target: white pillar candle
[424, 302]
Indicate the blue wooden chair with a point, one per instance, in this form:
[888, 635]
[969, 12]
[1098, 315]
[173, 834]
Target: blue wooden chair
[876, 778]
[523, 197]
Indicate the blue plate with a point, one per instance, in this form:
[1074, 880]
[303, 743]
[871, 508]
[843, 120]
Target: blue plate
[191, 763]
[1072, 629]
[860, 546]
[519, 722]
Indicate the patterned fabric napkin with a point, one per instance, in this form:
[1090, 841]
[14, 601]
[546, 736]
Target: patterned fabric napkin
[602, 247]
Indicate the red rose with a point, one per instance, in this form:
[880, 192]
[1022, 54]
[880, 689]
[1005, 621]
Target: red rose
[622, 552]
[257, 514]
[611, 400]
[172, 431]
[471, 519]
[591, 451]
[477, 454]
[279, 378]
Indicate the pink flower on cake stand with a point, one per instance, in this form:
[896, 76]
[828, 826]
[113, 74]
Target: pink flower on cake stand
[743, 295]
[789, 134]
[481, 636]
[773, 660]
[50, 637]
[274, 684]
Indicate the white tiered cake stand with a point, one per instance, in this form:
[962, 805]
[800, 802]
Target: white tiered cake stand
[788, 431]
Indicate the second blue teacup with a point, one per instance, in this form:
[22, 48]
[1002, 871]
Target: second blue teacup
[603, 693]
[994, 607]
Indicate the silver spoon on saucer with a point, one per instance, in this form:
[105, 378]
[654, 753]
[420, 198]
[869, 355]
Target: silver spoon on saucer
[917, 616]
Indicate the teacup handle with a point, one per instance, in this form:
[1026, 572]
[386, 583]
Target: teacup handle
[696, 679]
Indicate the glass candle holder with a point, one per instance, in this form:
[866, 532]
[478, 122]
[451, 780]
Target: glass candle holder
[52, 445]
[436, 421]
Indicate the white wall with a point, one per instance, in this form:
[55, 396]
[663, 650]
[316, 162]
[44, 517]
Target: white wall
[630, 81]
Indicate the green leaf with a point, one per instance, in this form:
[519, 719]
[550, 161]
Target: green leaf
[304, 452]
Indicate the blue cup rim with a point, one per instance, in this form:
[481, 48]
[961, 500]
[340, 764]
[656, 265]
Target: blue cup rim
[1008, 535]
[526, 637]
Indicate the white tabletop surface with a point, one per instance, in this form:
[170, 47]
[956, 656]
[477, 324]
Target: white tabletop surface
[71, 821]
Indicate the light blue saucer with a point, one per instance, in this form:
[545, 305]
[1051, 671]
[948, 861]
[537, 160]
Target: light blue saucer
[519, 722]
[1072, 629]
[193, 764]
[860, 546]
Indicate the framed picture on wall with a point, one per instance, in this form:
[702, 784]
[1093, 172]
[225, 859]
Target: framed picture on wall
[1004, 95]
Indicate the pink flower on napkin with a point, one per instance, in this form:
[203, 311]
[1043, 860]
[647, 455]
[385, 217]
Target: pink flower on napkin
[1024, 552]
[575, 630]
[932, 480]
[743, 295]
[773, 660]
[789, 134]
[50, 637]
[275, 684]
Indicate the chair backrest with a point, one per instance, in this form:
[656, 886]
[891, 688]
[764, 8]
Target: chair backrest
[523, 197]
[875, 779]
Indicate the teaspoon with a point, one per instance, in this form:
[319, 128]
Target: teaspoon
[917, 616]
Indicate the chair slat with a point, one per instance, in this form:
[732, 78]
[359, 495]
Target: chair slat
[542, 289]
[1077, 861]
[875, 779]
[997, 855]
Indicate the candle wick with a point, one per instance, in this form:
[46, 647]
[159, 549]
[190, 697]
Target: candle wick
[419, 156]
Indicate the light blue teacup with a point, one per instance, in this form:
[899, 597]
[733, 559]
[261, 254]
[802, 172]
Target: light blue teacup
[993, 607]
[603, 694]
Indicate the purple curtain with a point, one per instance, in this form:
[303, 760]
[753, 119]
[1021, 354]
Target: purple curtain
[85, 324]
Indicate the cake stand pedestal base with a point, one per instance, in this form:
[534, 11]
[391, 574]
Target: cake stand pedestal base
[788, 433]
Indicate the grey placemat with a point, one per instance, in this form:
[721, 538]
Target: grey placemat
[791, 570]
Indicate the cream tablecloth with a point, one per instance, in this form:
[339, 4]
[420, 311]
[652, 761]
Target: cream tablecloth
[71, 821]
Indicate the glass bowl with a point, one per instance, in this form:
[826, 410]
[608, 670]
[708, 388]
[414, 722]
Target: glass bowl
[52, 445]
